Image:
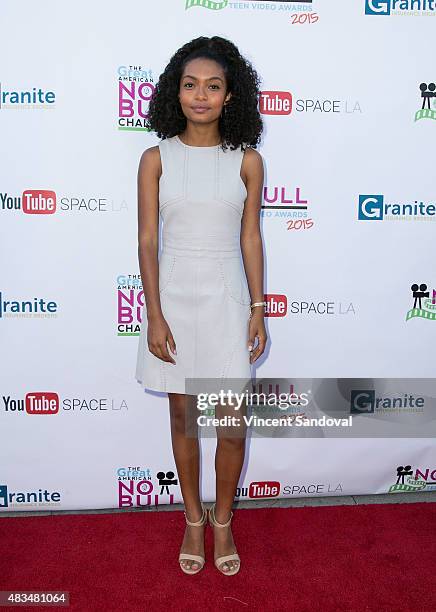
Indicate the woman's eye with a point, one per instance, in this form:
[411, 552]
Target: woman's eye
[217, 86]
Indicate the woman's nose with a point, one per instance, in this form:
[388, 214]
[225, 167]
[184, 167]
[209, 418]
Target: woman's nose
[201, 93]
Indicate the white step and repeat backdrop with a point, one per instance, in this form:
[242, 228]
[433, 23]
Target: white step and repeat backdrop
[348, 221]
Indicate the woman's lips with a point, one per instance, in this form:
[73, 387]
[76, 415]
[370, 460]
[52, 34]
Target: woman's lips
[200, 109]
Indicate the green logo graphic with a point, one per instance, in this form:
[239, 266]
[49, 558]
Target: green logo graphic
[424, 306]
[425, 113]
[414, 485]
[428, 95]
[209, 4]
[428, 312]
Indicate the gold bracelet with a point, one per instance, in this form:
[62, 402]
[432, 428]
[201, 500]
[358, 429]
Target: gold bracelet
[257, 304]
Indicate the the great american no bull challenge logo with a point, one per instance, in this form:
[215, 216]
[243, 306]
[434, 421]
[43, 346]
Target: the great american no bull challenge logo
[136, 487]
[424, 304]
[130, 302]
[414, 8]
[410, 481]
[135, 89]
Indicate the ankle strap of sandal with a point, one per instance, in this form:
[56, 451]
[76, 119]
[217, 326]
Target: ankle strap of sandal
[197, 523]
[215, 522]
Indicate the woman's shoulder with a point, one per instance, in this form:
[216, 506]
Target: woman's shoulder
[150, 155]
[252, 158]
[155, 149]
[157, 155]
[252, 154]
[150, 158]
[252, 164]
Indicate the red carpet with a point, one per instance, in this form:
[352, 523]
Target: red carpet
[368, 557]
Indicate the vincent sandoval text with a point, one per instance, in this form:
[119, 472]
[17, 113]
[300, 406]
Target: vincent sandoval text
[290, 421]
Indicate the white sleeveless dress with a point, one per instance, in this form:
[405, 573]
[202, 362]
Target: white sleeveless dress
[203, 288]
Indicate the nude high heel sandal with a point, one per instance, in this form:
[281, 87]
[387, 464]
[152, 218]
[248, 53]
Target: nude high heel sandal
[233, 556]
[188, 556]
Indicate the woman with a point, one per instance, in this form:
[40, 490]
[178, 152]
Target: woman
[206, 183]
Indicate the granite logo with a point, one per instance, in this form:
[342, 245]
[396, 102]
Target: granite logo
[370, 207]
[35, 307]
[373, 208]
[26, 99]
[22, 499]
[400, 7]
[377, 7]
[424, 306]
[365, 401]
[362, 401]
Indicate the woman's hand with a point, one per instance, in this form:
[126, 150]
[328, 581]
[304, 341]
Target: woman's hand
[257, 330]
[158, 334]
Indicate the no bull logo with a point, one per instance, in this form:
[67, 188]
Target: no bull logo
[135, 493]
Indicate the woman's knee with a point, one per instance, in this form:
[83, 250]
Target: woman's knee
[231, 444]
[179, 413]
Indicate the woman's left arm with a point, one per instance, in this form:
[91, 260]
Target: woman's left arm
[251, 246]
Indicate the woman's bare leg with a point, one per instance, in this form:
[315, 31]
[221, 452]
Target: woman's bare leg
[229, 459]
[187, 458]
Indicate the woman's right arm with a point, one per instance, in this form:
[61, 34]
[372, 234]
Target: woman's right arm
[148, 226]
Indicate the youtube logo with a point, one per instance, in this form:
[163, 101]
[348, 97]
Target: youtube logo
[42, 403]
[39, 202]
[276, 305]
[266, 488]
[275, 103]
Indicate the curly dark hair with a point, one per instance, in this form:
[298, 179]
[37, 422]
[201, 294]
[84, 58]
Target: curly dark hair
[241, 123]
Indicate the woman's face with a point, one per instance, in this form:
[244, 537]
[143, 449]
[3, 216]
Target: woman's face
[202, 91]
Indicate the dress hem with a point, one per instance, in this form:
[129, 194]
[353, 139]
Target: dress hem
[147, 387]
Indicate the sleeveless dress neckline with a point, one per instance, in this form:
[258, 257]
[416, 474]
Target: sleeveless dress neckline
[196, 147]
